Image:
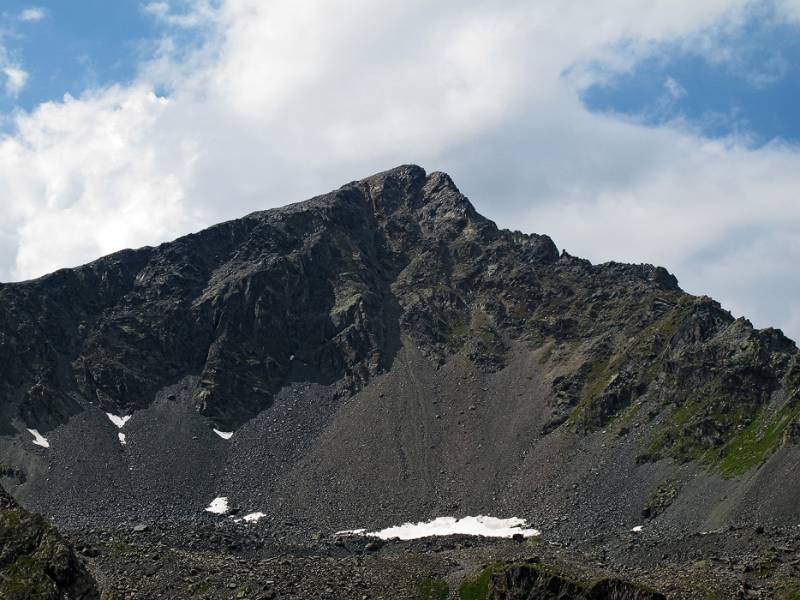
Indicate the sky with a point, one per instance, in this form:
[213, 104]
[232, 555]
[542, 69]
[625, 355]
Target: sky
[665, 132]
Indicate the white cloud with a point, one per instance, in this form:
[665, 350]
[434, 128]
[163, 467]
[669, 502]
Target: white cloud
[675, 89]
[288, 99]
[87, 177]
[16, 78]
[14, 75]
[198, 12]
[34, 13]
[789, 8]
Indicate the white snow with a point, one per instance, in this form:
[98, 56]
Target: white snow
[253, 517]
[39, 439]
[218, 506]
[480, 526]
[121, 437]
[225, 435]
[120, 420]
[637, 529]
[350, 532]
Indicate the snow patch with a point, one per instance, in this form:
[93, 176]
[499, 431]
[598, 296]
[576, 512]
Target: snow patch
[225, 435]
[253, 517]
[480, 526]
[218, 506]
[121, 437]
[350, 532]
[637, 529]
[119, 421]
[39, 439]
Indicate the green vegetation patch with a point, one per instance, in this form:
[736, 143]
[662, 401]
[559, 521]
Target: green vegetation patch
[547, 354]
[199, 589]
[531, 579]
[29, 549]
[433, 588]
[790, 591]
[745, 449]
[123, 549]
[596, 379]
[455, 333]
[695, 430]
[645, 354]
[661, 498]
[477, 586]
[756, 442]
[26, 578]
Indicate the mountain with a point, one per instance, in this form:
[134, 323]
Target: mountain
[381, 354]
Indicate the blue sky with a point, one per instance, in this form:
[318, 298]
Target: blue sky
[660, 132]
[68, 47]
[75, 46]
[749, 86]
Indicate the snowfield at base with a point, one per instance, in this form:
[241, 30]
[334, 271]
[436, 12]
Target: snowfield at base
[225, 435]
[480, 526]
[119, 421]
[121, 437]
[38, 439]
[637, 529]
[218, 506]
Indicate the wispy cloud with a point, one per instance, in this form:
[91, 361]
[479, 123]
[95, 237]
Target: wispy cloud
[16, 78]
[34, 13]
[674, 89]
[196, 13]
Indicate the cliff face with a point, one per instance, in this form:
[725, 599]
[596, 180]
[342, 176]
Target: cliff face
[232, 305]
[487, 339]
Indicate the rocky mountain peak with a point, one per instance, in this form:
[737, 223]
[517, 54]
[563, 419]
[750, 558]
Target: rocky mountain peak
[339, 292]
[383, 354]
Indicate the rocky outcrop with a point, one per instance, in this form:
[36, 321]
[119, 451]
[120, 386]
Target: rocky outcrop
[6, 501]
[35, 561]
[532, 580]
[529, 580]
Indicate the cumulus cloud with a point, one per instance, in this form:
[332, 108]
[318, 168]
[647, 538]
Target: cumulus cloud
[286, 99]
[34, 13]
[86, 177]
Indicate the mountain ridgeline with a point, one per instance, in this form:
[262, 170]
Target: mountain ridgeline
[389, 345]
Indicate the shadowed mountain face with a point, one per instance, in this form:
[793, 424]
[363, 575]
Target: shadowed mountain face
[383, 352]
